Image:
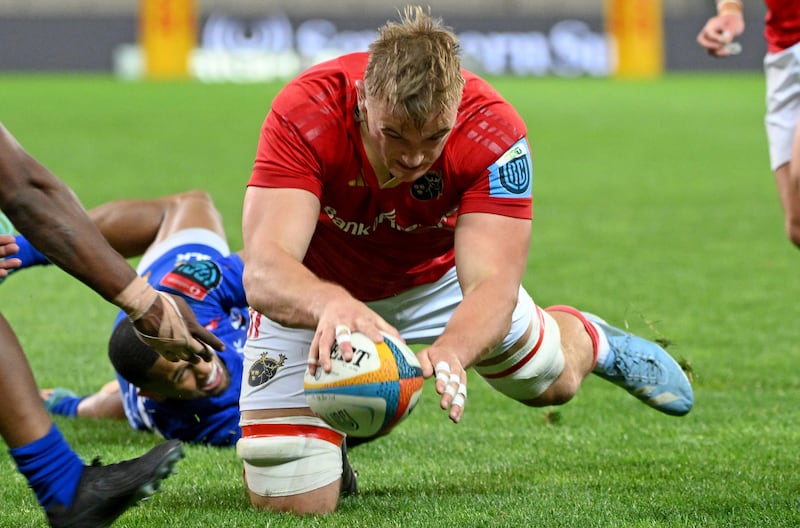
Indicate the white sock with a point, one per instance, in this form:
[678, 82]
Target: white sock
[604, 353]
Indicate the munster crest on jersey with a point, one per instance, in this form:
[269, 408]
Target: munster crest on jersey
[264, 369]
[428, 187]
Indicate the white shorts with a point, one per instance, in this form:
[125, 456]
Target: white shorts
[193, 235]
[782, 71]
[275, 357]
[275, 360]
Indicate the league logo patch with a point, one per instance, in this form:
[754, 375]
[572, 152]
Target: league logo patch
[193, 279]
[428, 187]
[264, 369]
[511, 176]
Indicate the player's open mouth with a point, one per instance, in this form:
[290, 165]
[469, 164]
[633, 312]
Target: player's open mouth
[214, 378]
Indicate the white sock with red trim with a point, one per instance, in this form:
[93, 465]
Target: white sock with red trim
[604, 352]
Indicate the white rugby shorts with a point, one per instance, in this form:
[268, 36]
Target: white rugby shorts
[276, 356]
[782, 71]
[280, 462]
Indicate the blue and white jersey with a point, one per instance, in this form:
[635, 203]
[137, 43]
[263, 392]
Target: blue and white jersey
[197, 265]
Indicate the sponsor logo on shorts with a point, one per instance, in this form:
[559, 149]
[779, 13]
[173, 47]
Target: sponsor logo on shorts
[193, 279]
[511, 176]
[264, 369]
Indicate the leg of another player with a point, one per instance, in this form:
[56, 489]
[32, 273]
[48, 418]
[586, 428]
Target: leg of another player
[105, 403]
[41, 453]
[72, 494]
[131, 226]
[787, 177]
[27, 419]
[789, 193]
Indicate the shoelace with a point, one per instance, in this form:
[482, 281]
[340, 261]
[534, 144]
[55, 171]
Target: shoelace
[638, 367]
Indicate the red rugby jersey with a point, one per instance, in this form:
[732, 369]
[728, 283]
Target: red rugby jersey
[380, 242]
[783, 24]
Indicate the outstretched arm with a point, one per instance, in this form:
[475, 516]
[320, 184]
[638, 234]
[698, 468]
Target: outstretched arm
[490, 270]
[47, 212]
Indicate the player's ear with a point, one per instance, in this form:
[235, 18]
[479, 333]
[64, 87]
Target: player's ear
[361, 95]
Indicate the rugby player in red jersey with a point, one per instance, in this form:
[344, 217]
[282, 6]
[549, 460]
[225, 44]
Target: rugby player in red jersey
[782, 69]
[392, 192]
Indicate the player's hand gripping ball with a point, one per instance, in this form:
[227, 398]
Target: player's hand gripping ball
[371, 394]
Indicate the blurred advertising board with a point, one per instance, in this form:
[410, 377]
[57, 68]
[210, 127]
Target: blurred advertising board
[230, 48]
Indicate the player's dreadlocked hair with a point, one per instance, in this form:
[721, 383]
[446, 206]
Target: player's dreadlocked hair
[130, 357]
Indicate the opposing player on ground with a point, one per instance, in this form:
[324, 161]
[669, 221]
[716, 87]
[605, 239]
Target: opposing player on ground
[186, 253]
[392, 192]
[184, 250]
[43, 208]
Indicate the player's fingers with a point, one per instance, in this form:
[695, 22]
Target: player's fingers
[458, 403]
[207, 353]
[343, 335]
[7, 264]
[442, 370]
[344, 342]
[732, 48]
[460, 399]
[8, 246]
[451, 387]
[313, 354]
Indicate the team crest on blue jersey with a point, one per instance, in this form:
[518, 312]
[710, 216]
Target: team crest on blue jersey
[428, 187]
[264, 369]
[511, 176]
[193, 279]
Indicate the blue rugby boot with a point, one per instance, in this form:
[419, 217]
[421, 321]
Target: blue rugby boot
[645, 370]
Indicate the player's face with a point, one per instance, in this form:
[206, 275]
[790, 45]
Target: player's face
[405, 151]
[186, 381]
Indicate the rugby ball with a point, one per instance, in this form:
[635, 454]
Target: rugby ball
[371, 394]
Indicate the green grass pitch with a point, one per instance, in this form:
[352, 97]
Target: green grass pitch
[654, 207]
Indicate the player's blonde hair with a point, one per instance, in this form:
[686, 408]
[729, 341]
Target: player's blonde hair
[415, 67]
